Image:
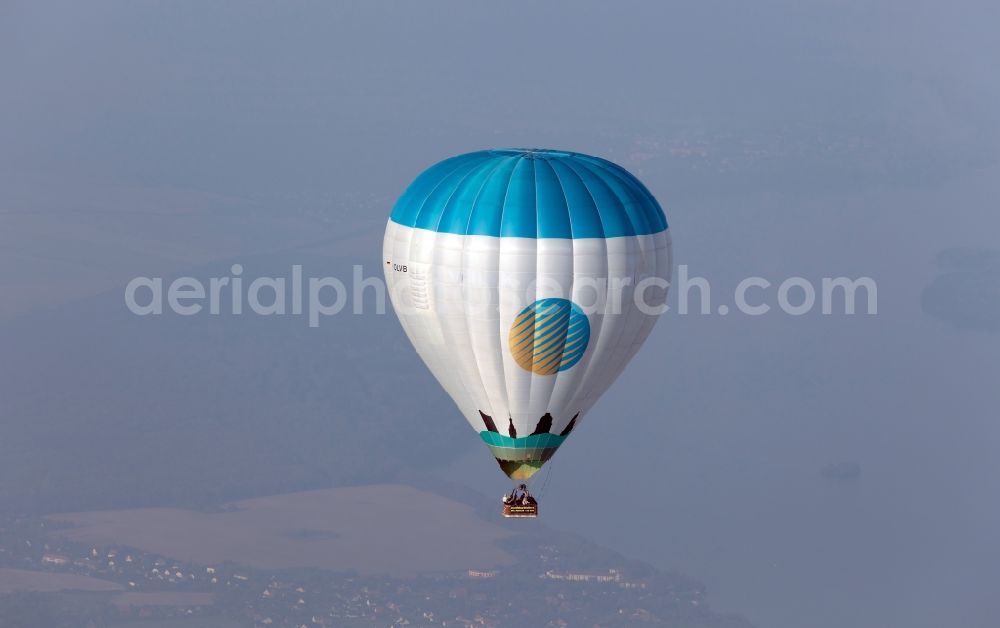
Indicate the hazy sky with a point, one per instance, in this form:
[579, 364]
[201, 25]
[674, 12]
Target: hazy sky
[821, 139]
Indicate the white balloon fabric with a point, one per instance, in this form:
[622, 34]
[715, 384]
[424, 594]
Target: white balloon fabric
[526, 280]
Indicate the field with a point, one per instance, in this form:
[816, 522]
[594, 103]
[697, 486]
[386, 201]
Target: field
[366, 529]
[181, 622]
[162, 598]
[22, 581]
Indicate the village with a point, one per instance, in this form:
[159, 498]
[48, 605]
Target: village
[547, 589]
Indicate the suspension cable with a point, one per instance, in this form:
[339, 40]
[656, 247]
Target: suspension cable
[545, 483]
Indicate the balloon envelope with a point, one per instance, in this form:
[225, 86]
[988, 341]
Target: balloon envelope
[526, 280]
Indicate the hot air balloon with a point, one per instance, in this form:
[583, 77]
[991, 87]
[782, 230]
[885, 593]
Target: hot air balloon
[526, 280]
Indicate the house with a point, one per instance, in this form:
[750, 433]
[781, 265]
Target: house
[55, 559]
[474, 573]
[612, 575]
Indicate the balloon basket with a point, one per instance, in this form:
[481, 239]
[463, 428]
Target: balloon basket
[519, 511]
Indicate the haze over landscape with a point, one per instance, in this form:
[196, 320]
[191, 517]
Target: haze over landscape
[776, 471]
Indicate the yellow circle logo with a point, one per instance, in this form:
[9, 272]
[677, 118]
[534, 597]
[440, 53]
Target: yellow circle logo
[549, 336]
